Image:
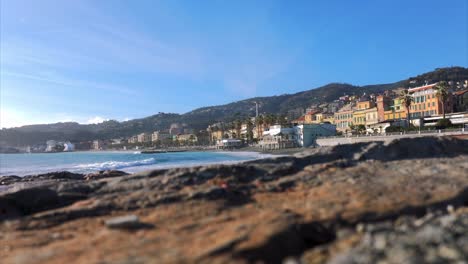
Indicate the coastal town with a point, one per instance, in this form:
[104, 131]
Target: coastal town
[244, 132]
[430, 107]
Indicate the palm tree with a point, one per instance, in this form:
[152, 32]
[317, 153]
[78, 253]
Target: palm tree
[407, 99]
[259, 124]
[441, 89]
[238, 127]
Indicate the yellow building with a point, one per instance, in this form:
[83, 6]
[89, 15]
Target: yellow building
[310, 117]
[397, 111]
[216, 135]
[362, 105]
[322, 117]
[371, 116]
[359, 117]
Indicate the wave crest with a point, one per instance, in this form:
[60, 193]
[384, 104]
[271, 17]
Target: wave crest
[113, 165]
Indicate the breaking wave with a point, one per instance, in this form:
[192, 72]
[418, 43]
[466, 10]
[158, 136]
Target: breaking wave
[114, 165]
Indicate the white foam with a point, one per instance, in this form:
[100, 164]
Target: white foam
[112, 165]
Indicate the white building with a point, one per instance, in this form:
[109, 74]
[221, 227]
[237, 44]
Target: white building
[68, 146]
[51, 145]
[228, 143]
[307, 133]
[278, 137]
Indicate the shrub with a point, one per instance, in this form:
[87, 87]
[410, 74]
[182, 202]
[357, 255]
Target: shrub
[443, 123]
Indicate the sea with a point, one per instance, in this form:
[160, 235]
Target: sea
[128, 161]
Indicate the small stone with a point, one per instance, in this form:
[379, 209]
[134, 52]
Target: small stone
[128, 221]
[450, 208]
[448, 253]
[447, 220]
[291, 260]
[360, 228]
[380, 242]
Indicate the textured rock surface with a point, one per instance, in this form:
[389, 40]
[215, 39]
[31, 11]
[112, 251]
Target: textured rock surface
[404, 202]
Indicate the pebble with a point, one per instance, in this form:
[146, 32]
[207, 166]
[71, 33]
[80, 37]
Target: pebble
[448, 253]
[450, 208]
[128, 221]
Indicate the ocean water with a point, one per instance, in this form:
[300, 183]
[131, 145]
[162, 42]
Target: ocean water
[85, 162]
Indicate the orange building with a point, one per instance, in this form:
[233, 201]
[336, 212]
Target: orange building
[310, 117]
[426, 102]
[396, 111]
[383, 104]
[362, 105]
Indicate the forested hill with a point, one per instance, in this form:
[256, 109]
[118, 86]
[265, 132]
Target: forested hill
[202, 117]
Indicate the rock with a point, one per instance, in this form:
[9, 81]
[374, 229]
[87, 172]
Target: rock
[6, 180]
[104, 174]
[360, 203]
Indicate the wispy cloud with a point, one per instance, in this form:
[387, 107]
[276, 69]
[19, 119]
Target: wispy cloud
[97, 120]
[69, 82]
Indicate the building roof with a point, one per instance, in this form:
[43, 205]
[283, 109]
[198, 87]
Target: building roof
[421, 88]
[313, 112]
[300, 119]
[460, 92]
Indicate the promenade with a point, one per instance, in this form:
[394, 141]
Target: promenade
[387, 137]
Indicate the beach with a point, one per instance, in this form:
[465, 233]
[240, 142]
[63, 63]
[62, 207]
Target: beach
[364, 203]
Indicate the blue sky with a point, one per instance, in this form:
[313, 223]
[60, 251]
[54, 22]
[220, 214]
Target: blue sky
[88, 61]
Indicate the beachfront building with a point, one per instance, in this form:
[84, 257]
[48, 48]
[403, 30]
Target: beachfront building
[359, 117]
[133, 140]
[51, 145]
[99, 144]
[306, 134]
[278, 137]
[372, 116]
[343, 120]
[117, 141]
[426, 103]
[160, 136]
[144, 137]
[187, 138]
[228, 143]
[68, 146]
[396, 110]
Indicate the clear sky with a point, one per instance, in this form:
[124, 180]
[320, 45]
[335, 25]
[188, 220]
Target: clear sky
[87, 61]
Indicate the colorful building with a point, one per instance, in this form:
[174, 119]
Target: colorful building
[343, 120]
[160, 136]
[396, 110]
[359, 117]
[426, 102]
[144, 137]
[371, 116]
[310, 117]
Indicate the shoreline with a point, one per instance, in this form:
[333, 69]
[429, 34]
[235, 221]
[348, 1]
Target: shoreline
[124, 164]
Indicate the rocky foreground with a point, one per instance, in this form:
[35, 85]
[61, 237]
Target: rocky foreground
[405, 202]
